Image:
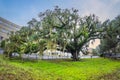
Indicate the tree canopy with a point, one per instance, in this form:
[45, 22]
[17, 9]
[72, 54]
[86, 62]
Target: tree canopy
[61, 29]
[111, 35]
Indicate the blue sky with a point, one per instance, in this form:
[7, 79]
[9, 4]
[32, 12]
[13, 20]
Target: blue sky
[22, 11]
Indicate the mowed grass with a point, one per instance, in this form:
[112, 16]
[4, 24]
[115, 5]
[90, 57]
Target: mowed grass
[85, 69]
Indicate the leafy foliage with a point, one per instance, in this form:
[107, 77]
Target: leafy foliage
[111, 35]
[62, 29]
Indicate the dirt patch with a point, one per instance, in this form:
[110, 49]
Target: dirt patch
[111, 76]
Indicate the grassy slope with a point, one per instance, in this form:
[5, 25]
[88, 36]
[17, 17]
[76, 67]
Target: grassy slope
[9, 71]
[62, 69]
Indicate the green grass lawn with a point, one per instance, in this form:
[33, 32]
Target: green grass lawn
[85, 69]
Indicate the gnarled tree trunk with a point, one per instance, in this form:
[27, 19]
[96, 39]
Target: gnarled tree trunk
[75, 56]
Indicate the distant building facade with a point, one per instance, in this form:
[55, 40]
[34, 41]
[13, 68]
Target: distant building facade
[6, 27]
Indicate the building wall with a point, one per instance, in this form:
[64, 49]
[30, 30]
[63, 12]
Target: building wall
[6, 27]
[95, 43]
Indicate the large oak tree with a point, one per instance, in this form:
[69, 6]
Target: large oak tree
[73, 32]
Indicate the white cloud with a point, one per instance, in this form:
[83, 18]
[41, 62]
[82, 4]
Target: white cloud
[105, 10]
[99, 8]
